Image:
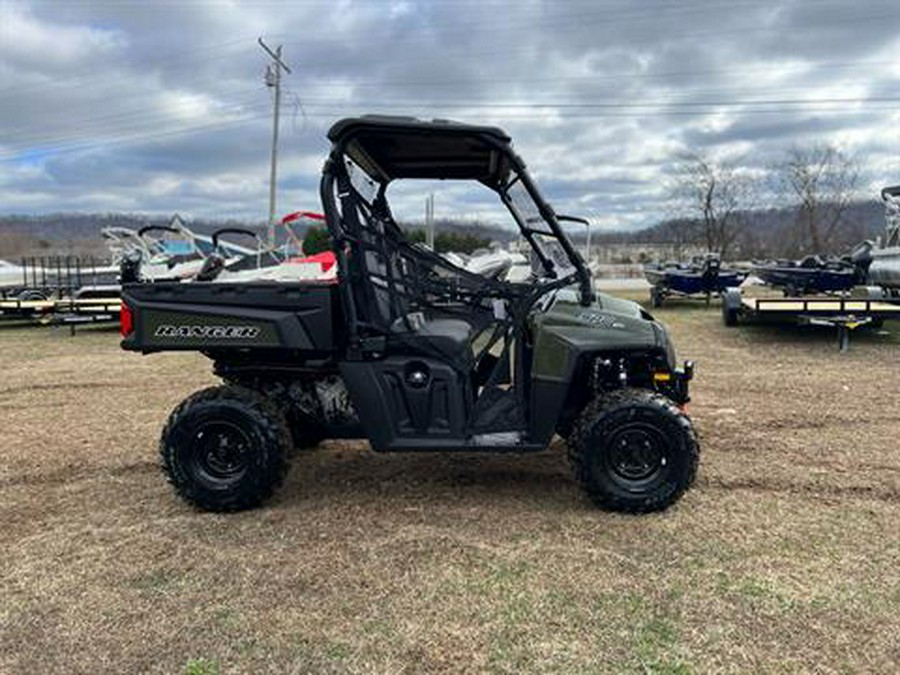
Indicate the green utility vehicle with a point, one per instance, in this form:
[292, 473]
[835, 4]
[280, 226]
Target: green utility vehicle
[413, 353]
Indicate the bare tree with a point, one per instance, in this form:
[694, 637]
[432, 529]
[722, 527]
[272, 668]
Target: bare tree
[821, 181]
[715, 197]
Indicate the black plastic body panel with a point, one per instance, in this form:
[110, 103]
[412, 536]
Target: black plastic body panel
[546, 403]
[399, 413]
[212, 317]
[402, 401]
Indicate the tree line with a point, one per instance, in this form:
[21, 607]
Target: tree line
[317, 240]
[718, 204]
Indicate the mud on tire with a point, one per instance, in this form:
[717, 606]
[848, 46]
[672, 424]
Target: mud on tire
[633, 451]
[225, 449]
[306, 432]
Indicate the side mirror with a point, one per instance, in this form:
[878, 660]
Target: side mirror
[574, 219]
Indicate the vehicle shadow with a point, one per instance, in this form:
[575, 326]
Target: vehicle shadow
[789, 333]
[339, 469]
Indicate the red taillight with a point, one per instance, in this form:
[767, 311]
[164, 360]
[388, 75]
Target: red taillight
[126, 320]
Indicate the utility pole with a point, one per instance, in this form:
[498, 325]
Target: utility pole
[273, 79]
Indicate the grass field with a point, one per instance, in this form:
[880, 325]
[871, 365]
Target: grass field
[784, 557]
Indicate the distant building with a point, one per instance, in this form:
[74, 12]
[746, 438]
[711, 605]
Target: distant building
[643, 253]
[628, 253]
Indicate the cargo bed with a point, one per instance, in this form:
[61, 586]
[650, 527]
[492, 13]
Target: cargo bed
[172, 316]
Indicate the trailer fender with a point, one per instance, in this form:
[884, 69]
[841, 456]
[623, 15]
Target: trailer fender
[731, 306]
[875, 293]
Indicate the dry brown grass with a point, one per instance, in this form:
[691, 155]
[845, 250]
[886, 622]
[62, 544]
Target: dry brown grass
[785, 557]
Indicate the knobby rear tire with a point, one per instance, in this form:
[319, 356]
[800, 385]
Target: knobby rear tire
[225, 448]
[306, 432]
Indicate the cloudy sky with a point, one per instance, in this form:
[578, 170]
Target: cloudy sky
[161, 106]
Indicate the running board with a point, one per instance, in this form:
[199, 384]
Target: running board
[497, 442]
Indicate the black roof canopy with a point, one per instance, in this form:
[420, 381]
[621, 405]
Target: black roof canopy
[388, 148]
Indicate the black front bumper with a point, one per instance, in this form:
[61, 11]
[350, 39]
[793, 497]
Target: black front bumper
[676, 385]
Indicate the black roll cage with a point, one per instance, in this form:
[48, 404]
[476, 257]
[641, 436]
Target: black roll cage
[334, 173]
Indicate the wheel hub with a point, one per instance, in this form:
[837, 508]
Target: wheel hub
[222, 451]
[637, 454]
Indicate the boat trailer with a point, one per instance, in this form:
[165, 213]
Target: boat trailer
[845, 313]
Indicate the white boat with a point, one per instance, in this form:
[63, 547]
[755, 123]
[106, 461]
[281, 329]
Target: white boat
[282, 262]
[285, 272]
[167, 258]
[884, 270]
[11, 275]
[496, 264]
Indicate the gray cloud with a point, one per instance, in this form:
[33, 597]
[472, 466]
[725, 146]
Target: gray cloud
[160, 106]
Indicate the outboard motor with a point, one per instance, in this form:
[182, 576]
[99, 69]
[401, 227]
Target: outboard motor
[212, 266]
[861, 257]
[711, 268]
[130, 267]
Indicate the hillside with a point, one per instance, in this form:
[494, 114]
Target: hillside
[767, 232]
[763, 235]
[79, 233]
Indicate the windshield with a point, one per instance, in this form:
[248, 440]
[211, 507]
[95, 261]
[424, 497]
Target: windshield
[553, 251]
[550, 257]
[524, 207]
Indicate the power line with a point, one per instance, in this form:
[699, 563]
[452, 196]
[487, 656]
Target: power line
[636, 77]
[80, 146]
[147, 116]
[611, 105]
[551, 116]
[84, 146]
[235, 102]
[332, 109]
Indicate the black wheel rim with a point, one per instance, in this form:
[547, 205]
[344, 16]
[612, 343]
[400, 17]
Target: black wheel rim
[637, 455]
[220, 453]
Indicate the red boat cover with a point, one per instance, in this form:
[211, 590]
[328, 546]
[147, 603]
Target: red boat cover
[326, 259]
[298, 215]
